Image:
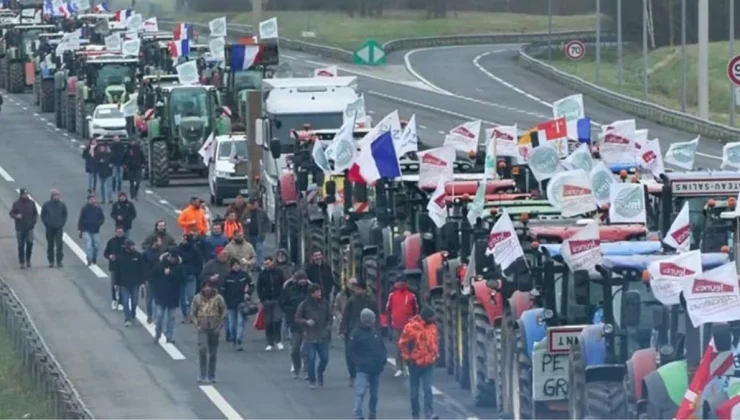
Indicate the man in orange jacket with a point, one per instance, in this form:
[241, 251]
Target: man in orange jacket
[419, 344]
[232, 225]
[193, 218]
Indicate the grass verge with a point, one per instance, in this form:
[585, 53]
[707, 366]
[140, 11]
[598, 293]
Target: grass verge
[18, 397]
[664, 80]
[339, 30]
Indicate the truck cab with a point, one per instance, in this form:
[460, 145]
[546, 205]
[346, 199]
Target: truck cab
[228, 170]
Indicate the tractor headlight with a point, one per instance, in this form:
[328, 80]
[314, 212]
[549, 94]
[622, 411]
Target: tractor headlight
[607, 329]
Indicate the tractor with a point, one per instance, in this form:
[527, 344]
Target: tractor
[18, 67]
[237, 82]
[46, 62]
[65, 83]
[185, 116]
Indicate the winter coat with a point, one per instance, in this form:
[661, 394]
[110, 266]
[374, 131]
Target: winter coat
[321, 275]
[29, 215]
[117, 153]
[192, 260]
[243, 252]
[129, 269]
[402, 306]
[89, 159]
[167, 285]
[235, 285]
[126, 210]
[167, 239]
[193, 219]
[103, 165]
[287, 266]
[367, 350]
[419, 342]
[151, 259]
[54, 214]
[270, 285]
[318, 311]
[114, 248]
[214, 266]
[134, 159]
[91, 218]
[214, 241]
[256, 222]
[351, 314]
[293, 294]
[231, 227]
[209, 313]
[241, 211]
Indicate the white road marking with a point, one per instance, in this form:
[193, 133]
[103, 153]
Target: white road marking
[429, 107]
[163, 202]
[148, 192]
[435, 390]
[220, 402]
[410, 69]
[6, 176]
[168, 347]
[25, 108]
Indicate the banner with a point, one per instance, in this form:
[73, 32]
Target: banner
[355, 110]
[151, 25]
[437, 206]
[682, 154]
[505, 140]
[218, 27]
[617, 143]
[651, 158]
[713, 296]
[217, 46]
[113, 42]
[319, 157]
[555, 188]
[464, 137]
[409, 141]
[342, 149]
[187, 73]
[580, 159]
[131, 48]
[436, 165]
[544, 162]
[582, 251]
[577, 195]
[135, 22]
[269, 29]
[627, 203]
[503, 243]
[571, 108]
[678, 236]
[667, 276]
[731, 156]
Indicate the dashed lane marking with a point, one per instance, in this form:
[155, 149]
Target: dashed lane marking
[220, 402]
[6, 176]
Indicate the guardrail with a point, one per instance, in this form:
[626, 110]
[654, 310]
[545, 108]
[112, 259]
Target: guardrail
[43, 369]
[632, 106]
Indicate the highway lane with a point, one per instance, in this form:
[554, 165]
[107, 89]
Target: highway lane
[27, 160]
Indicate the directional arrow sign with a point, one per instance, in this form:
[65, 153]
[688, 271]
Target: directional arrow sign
[370, 54]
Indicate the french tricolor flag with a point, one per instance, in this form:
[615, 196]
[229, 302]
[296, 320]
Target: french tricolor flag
[179, 48]
[377, 159]
[183, 31]
[123, 14]
[245, 56]
[101, 8]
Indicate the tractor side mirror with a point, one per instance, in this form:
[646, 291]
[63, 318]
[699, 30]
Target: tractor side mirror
[631, 307]
[275, 148]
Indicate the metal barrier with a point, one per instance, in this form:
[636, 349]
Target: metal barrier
[43, 369]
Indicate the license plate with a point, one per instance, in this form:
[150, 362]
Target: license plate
[244, 191]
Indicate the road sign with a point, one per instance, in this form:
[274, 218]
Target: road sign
[575, 50]
[733, 70]
[370, 54]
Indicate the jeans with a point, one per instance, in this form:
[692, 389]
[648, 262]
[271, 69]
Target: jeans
[421, 375]
[106, 190]
[92, 181]
[259, 249]
[92, 245]
[322, 351]
[54, 245]
[117, 179]
[25, 245]
[169, 327]
[296, 346]
[186, 295]
[273, 323]
[115, 297]
[130, 300]
[366, 382]
[234, 326]
[208, 353]
[134, 181]
[351, 368]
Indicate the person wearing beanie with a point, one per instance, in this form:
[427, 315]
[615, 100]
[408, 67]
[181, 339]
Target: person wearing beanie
[54, 217]
[113, 249]
[123, 212]
[356, 305]
[25, 215]
[419, 344]
[217, 268]
[89, 223]
[167, 280]
[367, 352]
[129, 278]
[314, 316]
[216, 239]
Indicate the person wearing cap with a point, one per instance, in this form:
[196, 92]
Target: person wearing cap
[113, 249]
[129, 278]
[357, 303]
[208, 312]
[419, 344]
[167, 280]
[89, 223]
[123, 212]
[257, 225]
[54, 217]
[367, 351]
[216, 268]
[269, 289]
[25, 215]
[216, 239]
[314, 316]
[193, 218]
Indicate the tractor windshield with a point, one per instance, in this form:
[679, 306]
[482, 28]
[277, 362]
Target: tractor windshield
[189, 103]
[114, 74]
[29, 37]
[248, 79]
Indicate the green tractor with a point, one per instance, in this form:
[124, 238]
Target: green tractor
[17, 67]
[108, 79]
[46, 64]
[185, 116]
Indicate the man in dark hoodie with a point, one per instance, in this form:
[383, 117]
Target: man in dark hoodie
[192, 264]
[54, 217]
[167, 279]
[314, 316]
[25, 215]
[295, 291]
[319, 272]
[104, 169]
[113, 249]
[358, 302]
[236, 288]
[160, 232]
[89, 223]
[117, 159]
[367, 351]
[129, 266]
[269, 288]
[134, 164]
[123, 212]
[88, 155]
[284, 264]
[151, 259]
[217, 268]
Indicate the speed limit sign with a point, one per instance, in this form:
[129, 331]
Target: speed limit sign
[733, 70]
[575, 50]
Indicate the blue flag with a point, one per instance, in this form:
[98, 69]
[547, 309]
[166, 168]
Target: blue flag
[584, 130]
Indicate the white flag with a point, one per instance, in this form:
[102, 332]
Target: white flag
[135, 22]
[113, 42]
[342, 149]
[187, 73]
[627, 203]
[555, 188]
[580, 158]
[713, 296]
[475, 209]
[269, 29]
[682, 154]
[617, 143]
[409, 141]
[571, 108]
[544, 162]
[582, 251]
[355, 110]
[129, 108]
[503, 242]
[206, 150]
[731, 156]
[667, 276]
[437, 206]
[319, 157]
[601, 181]
[216, 47]
[436, 165]
[678, 236]
[505, 140]
[577, 194]
[218, 27]
[151, 25]
[131, 48]
[464, 137]
[651, 158]
[489, 165]
[329, 71]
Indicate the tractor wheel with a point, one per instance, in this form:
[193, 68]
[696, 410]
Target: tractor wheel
[450, 326]
[16, 78]
[606, 400]
[3, 73]
[159, 161]
[318, 237]
[481, 386]
[437, 302]
[59, 119]
[463, 371]
[293, 232]
[79, 118]
[355, 262]
[71, 111]
[505, 343]
[521, 379]
[47, 95]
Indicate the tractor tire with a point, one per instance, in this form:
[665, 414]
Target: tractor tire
[71, 112]
[159, 161]
[356, 256]
[318, 237]
[3, 73]
[293, 232]
[521, 379]
[79, 118]
[437, 302]
[16, 78]
[463, 371]
[59, 109]
[450, 326]
[47, 95]
[505, 343]
[606, 400]
[479, 331]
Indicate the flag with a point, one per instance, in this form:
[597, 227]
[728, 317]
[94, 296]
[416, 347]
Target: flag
[329, 71]
[151, 25]
[342, 149]
[244, 56]
[682, 154]
[435, 165]
[668, 275]
[475, 209]
[555, 132]
[464, 137]
[503, 242]
[180, 48]
[101, 8]
[269, 29]
[183, 31]
[678, 236]
[437, 206]
[123, 14]
[64, 10]
[713, 296]
[582, 251]
[409, 141]
[206, 151]
[731, 156]
[583, 127]
[650, 157]
[617, 142]
[218, 27]
[320, 158]
[72, 7]
[377, 159]
[504, 139]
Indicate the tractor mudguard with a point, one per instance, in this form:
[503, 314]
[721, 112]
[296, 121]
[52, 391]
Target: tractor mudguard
[605, 373]
[288, 188]
[494, 305]
[364, 229]
[593, 345]
[60, 80]
[72, 85]
[520, 302]
[152, 128]
[675, 379]
[30, 69]
[641, 364]
[432, 265]
[412, 252]
[660, 398]
[534, 329]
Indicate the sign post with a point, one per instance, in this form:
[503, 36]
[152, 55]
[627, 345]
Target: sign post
[370, 54]
[575, 50]
[733, 73]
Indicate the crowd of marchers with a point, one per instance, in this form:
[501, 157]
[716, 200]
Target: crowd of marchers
[207, 277]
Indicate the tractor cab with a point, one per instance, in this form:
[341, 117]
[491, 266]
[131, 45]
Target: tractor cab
[110, 79]
[237, 81]
[21, 42]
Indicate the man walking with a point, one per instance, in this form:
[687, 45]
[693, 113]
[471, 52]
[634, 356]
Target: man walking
[319, 272]
[128, 269]
[54, 217]
[25, 215]
[295, 291]
[269, 288]
[367, 352]
[113, 249]
[192, 264]
[257, 225]
[134, 163]
[314, 316]
[104, 169]
[159, 232]
[420, 349]
[193, 218]
[167, 279]
[118, 156]
[89, 223]
[208, 312]
[123, 213]
[357, 303]
[402, 306]
[151, 260]
[237, 288]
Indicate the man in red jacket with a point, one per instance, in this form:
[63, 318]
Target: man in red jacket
[402, 306]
